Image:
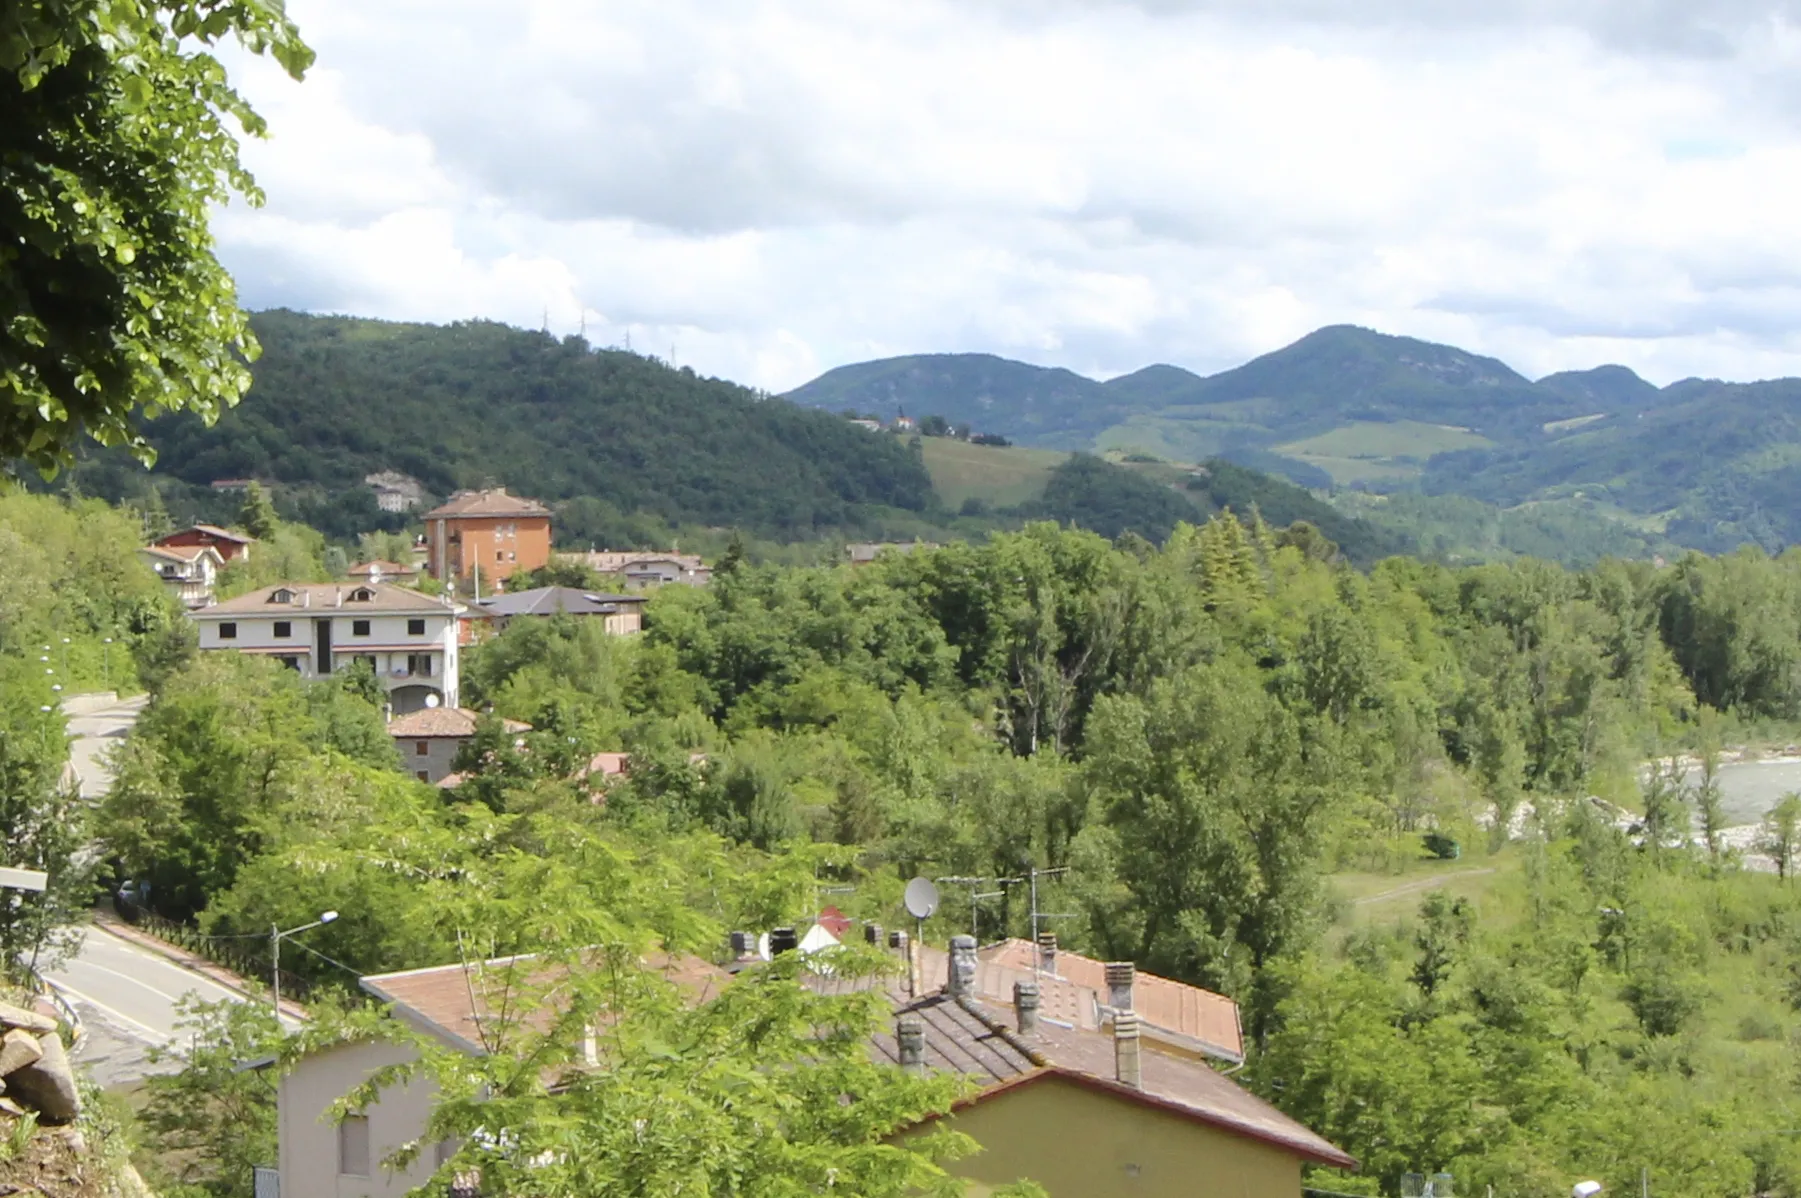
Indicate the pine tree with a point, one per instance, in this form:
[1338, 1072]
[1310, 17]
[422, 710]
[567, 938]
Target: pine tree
[258, 513]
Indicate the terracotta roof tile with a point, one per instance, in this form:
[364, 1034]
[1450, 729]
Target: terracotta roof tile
[332, 598]
[455, 722]
[488, 503]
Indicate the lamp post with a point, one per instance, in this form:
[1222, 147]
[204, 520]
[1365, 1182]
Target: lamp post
[65, 655]
[106, 662]
[276, 936]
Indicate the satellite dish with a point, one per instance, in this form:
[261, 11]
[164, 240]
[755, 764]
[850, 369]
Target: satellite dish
[431, 700]
[921, 898]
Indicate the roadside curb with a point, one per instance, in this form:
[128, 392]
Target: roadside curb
[107, 922]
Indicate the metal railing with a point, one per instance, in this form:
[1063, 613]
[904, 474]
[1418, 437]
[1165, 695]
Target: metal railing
[246, 956]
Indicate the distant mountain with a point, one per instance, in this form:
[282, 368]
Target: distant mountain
[1051, 408]
[1701, 462]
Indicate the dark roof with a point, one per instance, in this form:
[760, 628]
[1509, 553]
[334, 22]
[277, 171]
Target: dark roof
[548, 601]
[211, 530]
[980, 1040]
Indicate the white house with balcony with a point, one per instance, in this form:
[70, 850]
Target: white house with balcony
[188, 571]
[319, 628]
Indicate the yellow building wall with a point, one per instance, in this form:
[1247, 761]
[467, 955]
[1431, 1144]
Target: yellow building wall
[1080, 1143]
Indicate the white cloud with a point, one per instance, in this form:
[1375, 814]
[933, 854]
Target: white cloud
[779, 186]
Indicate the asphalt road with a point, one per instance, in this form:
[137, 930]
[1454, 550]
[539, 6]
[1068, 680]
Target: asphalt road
[127, 998]
[96, 723]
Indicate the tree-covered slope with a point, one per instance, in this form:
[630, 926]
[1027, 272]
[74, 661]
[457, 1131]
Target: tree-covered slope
[462, 405]
[1050, 408]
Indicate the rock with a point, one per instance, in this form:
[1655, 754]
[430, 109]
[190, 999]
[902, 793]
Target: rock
[18, 1048]
[48, 1083]
[10, 1107]
[78, 1143]
[31, 1021]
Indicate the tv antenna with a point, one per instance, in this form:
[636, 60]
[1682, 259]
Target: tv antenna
[1033, 875]
[977, 895]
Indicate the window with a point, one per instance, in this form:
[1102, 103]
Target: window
[353, 1146]
[361, 595]
[421, 748]
[498, 556]
[293, 663]
[365, 659]
[281, 595]
[359, 628]
[228, 631]
[415, 627]
[419, 663]
[422, 775]
[284, 628]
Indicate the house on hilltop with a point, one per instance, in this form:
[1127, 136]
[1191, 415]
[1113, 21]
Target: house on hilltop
[478, 539]
[229, 545]
[407, 638]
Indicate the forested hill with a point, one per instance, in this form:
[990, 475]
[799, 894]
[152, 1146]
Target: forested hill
[462, 405]
[1699, 463]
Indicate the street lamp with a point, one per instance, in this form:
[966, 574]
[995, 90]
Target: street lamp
[65, 655]
[106, 662]
[276, 936]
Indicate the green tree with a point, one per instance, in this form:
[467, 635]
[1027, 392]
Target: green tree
[1781, 833]
[210, 1122]
[43, 823]
[118, 147]
[257, 514]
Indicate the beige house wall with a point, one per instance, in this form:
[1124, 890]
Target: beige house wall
[1078, 1143]
[435, 762]
[309, 1138]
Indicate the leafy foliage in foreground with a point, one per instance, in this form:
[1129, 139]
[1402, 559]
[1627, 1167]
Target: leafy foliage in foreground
[117, 145]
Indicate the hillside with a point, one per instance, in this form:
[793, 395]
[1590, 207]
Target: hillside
[1700, 463]
[461, 405]
[1049, 408]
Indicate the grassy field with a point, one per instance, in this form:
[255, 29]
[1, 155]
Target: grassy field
[1376, 451]
[1370, 898]
[999, 476]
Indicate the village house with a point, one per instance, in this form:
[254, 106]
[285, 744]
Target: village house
[620, 615]
[1083, 1110]
[862, 553]
[644, 567]
[455, 1005]
[478, 539]
[229, 545]
[188, 572]
[409, 639]
[430, 738]
[383, 571]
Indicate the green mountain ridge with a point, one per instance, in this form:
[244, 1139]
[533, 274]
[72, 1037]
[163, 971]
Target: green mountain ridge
[1700, 463]
[626, 448]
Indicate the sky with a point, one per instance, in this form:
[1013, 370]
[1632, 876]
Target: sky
[765, 189]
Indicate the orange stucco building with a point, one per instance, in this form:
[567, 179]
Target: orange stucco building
[479, 538]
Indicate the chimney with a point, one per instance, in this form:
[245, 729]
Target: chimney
[742, 944]
[961, 979]
[872, 934]
[782, 940]
[910, 1034]
[1047, 953]
[1025, 1006]
[1119, 984]
[897, 940]
[1125, 1050]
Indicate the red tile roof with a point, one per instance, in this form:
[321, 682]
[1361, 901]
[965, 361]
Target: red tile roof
[452, 722]
[487, 503]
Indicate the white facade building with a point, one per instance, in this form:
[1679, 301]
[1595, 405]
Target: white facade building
[408, 638]
[188, 571]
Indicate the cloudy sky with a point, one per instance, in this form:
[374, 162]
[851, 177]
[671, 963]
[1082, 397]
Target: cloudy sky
[768, 188]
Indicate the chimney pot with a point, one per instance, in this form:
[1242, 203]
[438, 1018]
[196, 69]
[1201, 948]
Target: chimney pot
[961, 980]
[782, 940]
[872, 934]
[1127, 1063]
[1120, 975]
[1047, 952]
[910, 1035]
[743, 944]
[1025, 1006]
